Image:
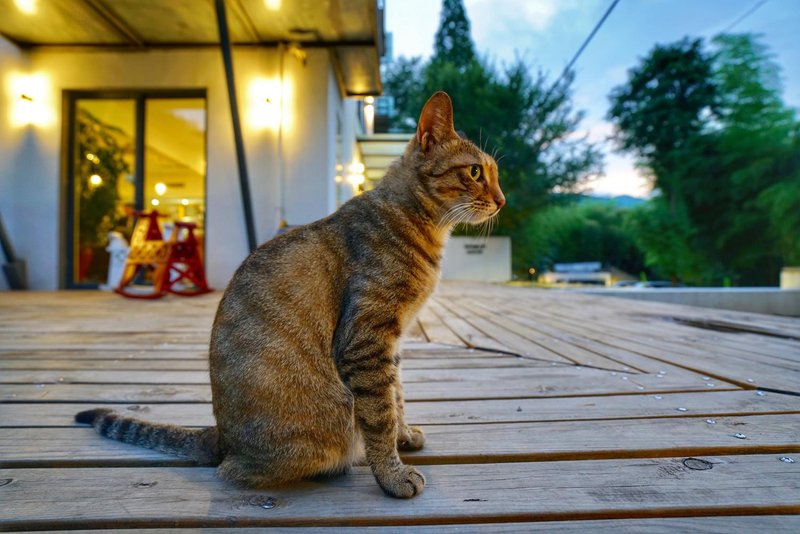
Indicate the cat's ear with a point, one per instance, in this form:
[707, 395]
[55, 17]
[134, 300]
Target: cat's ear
[436, 121]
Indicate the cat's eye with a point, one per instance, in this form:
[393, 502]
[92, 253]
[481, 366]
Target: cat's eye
[475, 172]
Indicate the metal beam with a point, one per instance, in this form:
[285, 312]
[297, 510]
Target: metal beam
[244, 181]
[117, 24]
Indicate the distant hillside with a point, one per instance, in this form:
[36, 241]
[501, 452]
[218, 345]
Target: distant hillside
[620, 201]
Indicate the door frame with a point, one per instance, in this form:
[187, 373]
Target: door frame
[67, 215]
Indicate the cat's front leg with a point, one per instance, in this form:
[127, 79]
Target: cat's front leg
[375, 411]
[409, 438]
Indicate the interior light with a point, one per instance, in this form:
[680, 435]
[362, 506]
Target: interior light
[185, 201]
[369, 100]
[273, 5]
[95, 180]
[155, 202]
[28, 7]
[90, 156]
[161, 188]
[356, 167]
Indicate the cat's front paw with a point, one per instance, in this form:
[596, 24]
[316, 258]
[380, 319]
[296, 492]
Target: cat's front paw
[410, 438]
[403, 482]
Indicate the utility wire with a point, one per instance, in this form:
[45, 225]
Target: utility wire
[581, 49]
[744, 16]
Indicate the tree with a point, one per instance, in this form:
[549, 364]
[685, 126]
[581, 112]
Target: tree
[509, 112]
[662, 108]
[453, 41]
[711, 128]
[583, 232]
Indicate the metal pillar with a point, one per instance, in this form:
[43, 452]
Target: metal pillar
[244, 181]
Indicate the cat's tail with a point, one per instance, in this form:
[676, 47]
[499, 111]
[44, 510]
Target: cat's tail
[198, 444]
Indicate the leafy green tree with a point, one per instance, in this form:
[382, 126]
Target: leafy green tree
[713, 131]
[506, 110]
[664, 236]
[583, 232]
[758, 156]
[662, 108]
[453, 41]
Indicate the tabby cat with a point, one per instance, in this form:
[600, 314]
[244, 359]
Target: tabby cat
[304, 349]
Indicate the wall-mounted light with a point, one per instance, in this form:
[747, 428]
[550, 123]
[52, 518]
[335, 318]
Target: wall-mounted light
[161, 188]
[28, 7]
[184, 201]
[369, 115]
[155, 202]
[273, 5]
[268, 104]
[95, 180]
[31, 99]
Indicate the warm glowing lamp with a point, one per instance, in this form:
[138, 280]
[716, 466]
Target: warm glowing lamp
[161, 188]
[31, 95]
[155, 202]
[273, 5]
[95, 180]
[28, 7]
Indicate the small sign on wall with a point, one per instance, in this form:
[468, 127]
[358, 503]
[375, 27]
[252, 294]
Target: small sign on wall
[477, 259]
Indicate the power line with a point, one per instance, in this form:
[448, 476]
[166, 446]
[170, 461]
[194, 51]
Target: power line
[581, 49]
[747, 14]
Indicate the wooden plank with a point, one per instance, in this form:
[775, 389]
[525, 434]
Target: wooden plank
[667, 525]
[753, 347]
[520, 315]
[416, 333]
[488, 361]
[132, 340]
[419, 384]
[715, 363]
[592, 489]
[702, 404]
[503, 336]
[471, 336]
[435, 330]
[105, 354]
[446, 444]
[574, 353]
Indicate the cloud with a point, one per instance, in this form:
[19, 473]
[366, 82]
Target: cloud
[621, 177]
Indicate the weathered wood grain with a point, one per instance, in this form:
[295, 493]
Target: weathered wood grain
[668, 525]
[696, 404]
[593, 489]
[447, 444]
[419, 385]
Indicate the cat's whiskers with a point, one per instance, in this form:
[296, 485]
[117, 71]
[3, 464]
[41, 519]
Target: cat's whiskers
[456, 213]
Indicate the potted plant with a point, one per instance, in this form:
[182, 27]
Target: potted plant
[100, 162]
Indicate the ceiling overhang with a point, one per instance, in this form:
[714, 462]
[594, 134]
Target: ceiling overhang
[351, 29]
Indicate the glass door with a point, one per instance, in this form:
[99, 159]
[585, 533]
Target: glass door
[103, 182]
[128, 152]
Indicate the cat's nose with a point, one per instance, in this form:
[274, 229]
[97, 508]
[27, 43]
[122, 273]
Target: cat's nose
[500, 200]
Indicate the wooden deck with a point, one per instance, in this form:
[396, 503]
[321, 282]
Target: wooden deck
[544, 410]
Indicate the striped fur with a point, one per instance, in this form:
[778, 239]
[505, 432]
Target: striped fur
[305, 372]
[196, 444]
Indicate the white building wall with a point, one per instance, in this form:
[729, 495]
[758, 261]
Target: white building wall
[36, 220]
[14, 144]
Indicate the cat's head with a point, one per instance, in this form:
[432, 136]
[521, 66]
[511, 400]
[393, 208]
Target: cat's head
[457, 175]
